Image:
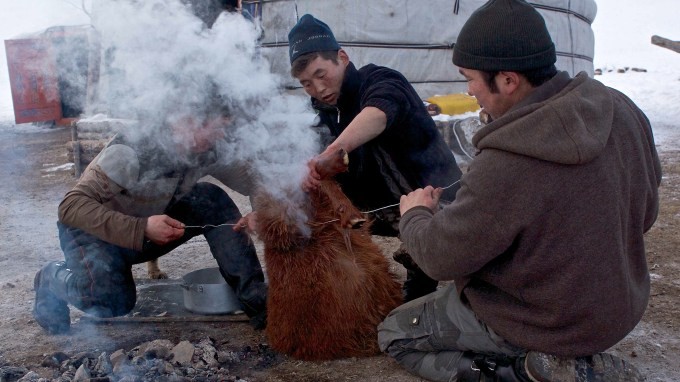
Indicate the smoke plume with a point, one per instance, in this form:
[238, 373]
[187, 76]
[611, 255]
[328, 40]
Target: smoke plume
[159, 60]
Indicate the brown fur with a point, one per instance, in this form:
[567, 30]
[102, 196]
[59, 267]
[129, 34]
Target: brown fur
[154, 271]
[328, 290]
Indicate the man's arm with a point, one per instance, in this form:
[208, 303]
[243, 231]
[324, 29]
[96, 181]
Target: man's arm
[367, 125]
[83, 208]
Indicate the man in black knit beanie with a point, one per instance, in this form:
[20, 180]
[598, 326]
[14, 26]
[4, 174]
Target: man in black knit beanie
[378, 119]
[544, 242]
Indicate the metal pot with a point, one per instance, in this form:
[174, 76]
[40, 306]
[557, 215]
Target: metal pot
[206, 292]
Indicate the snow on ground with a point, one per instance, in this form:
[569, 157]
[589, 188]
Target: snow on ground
[657, 93]
[623, 30]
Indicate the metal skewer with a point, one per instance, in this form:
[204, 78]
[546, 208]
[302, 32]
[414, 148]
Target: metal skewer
[396, 204]
[213, 225]
[330, 221]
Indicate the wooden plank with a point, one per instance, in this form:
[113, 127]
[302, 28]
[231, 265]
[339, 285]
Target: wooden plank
[160, 319]
[666, 43]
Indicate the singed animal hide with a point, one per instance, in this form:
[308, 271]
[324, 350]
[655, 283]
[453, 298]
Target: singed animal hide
[329, 283]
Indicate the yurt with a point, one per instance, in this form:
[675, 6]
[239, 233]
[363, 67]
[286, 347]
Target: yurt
[415, 37]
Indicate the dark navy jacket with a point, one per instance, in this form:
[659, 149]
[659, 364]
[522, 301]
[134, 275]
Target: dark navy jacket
[410, 153]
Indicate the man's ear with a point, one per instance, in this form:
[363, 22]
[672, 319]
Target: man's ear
[508, 82]
[343, 57]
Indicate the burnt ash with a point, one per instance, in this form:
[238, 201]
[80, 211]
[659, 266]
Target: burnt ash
[157, 361]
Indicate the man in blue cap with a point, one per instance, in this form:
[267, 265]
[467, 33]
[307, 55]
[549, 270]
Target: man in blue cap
[375, 116]
[544, 242]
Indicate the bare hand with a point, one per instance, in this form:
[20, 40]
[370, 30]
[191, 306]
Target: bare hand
[427, 197]
[247, 223]
[325, 165]
[162, 229]
[313, 179]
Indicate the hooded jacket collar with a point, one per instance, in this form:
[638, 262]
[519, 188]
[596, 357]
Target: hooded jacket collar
[562, 121]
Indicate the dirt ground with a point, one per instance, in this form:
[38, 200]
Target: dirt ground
[34, 164]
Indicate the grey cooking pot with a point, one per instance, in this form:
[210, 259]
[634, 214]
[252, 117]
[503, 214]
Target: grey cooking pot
[206, 292]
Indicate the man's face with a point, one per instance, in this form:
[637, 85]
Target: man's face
[322, 79]
[193, 135]
[494, 103]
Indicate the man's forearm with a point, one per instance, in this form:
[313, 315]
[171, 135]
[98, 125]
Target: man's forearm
[92, 217]
[367, 125]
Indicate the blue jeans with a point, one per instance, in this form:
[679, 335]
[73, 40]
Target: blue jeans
[102, 282]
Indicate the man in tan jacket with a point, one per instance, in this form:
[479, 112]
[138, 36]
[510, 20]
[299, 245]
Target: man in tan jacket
[138, 200]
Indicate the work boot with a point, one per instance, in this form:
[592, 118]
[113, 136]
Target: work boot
[417, 283]
[50, 310]
[601, 367]
[475, 367]
[253, 299]
[259, 321]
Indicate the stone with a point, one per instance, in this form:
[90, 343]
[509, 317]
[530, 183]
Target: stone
[182, 353]
[11, 373]
[82, 374]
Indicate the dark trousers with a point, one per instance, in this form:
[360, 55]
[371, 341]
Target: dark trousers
[102, 282]
[428, 336]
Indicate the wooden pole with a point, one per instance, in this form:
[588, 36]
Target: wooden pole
[93, 64]
[76, 150]
[666, 43]
[129, 320]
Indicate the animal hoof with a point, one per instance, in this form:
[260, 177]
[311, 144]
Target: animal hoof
[158, 275]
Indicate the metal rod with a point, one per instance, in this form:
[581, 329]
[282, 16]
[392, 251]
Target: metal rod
[396, 204]
[213, 225]
[330, 221]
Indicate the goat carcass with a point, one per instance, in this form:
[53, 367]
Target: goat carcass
[329, 283]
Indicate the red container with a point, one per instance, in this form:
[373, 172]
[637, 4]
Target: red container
[50, 73]
[33, 80]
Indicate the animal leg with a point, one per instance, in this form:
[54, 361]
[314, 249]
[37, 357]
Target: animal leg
[154, 271]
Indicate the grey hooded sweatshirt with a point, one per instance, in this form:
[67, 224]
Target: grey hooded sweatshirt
[545, 237]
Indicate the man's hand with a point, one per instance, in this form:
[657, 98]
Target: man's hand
[428, 197]
[247, 223]
[162, 229]
[313, 179]
[325, 165]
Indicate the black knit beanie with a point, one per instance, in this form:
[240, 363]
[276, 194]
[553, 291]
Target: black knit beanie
[504, 35]
[310, 35]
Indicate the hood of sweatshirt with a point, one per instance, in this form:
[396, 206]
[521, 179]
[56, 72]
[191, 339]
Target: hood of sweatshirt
[563, 121]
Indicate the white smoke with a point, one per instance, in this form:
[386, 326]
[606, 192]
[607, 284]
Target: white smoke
[159, 58]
